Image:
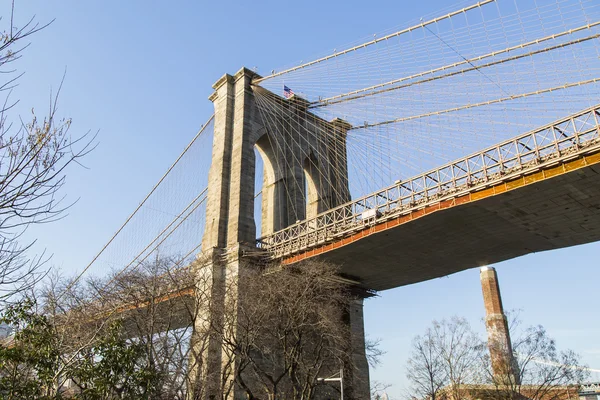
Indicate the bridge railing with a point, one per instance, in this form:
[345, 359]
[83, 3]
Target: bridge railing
[544, 146]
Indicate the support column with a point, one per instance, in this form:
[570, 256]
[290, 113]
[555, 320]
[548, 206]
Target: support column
[219, 175]
[205, 344]
[241, 227]
[205, 354]
[504, 366]
[356, 376]
[229, 228]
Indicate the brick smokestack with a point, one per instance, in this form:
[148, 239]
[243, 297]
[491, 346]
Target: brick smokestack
[504, 366]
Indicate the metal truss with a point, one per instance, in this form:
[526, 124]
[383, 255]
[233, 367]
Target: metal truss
[563, 140]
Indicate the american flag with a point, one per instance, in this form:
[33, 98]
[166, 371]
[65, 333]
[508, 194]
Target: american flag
[287, 92]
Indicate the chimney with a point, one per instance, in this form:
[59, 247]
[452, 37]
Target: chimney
[504, 366]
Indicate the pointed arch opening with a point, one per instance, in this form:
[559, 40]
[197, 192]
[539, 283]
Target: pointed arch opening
[312, 187]
[265, 181]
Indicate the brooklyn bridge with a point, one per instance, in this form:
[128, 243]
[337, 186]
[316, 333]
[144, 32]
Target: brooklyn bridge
[466, 139]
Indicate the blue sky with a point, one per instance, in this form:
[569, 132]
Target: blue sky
[140, 73]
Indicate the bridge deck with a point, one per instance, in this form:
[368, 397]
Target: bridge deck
[553, 208]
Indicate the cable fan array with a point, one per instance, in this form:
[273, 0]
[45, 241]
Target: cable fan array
[442, 89]
[168, 224]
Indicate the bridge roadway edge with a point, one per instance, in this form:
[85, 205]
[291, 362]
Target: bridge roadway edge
[394, 253]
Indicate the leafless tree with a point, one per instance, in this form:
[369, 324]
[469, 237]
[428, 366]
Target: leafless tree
[449, 361]
[34, 156]
[157, 303]
[444, 360]
[544, 371]
[460, 349]
[279, 330]
[425, 368]
[374, 352]
[378, 390]
[284, 330]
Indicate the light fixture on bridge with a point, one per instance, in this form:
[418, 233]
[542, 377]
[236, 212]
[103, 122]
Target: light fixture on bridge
[339, 378]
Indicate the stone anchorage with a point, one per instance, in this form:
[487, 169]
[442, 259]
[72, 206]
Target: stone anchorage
[230, 233]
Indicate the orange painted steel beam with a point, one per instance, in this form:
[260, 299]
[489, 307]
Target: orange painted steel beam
[190, 291]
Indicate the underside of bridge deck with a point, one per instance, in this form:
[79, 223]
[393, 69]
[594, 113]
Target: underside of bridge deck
[554, 212]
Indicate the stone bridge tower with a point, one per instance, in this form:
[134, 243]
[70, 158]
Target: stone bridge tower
[230, 227]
